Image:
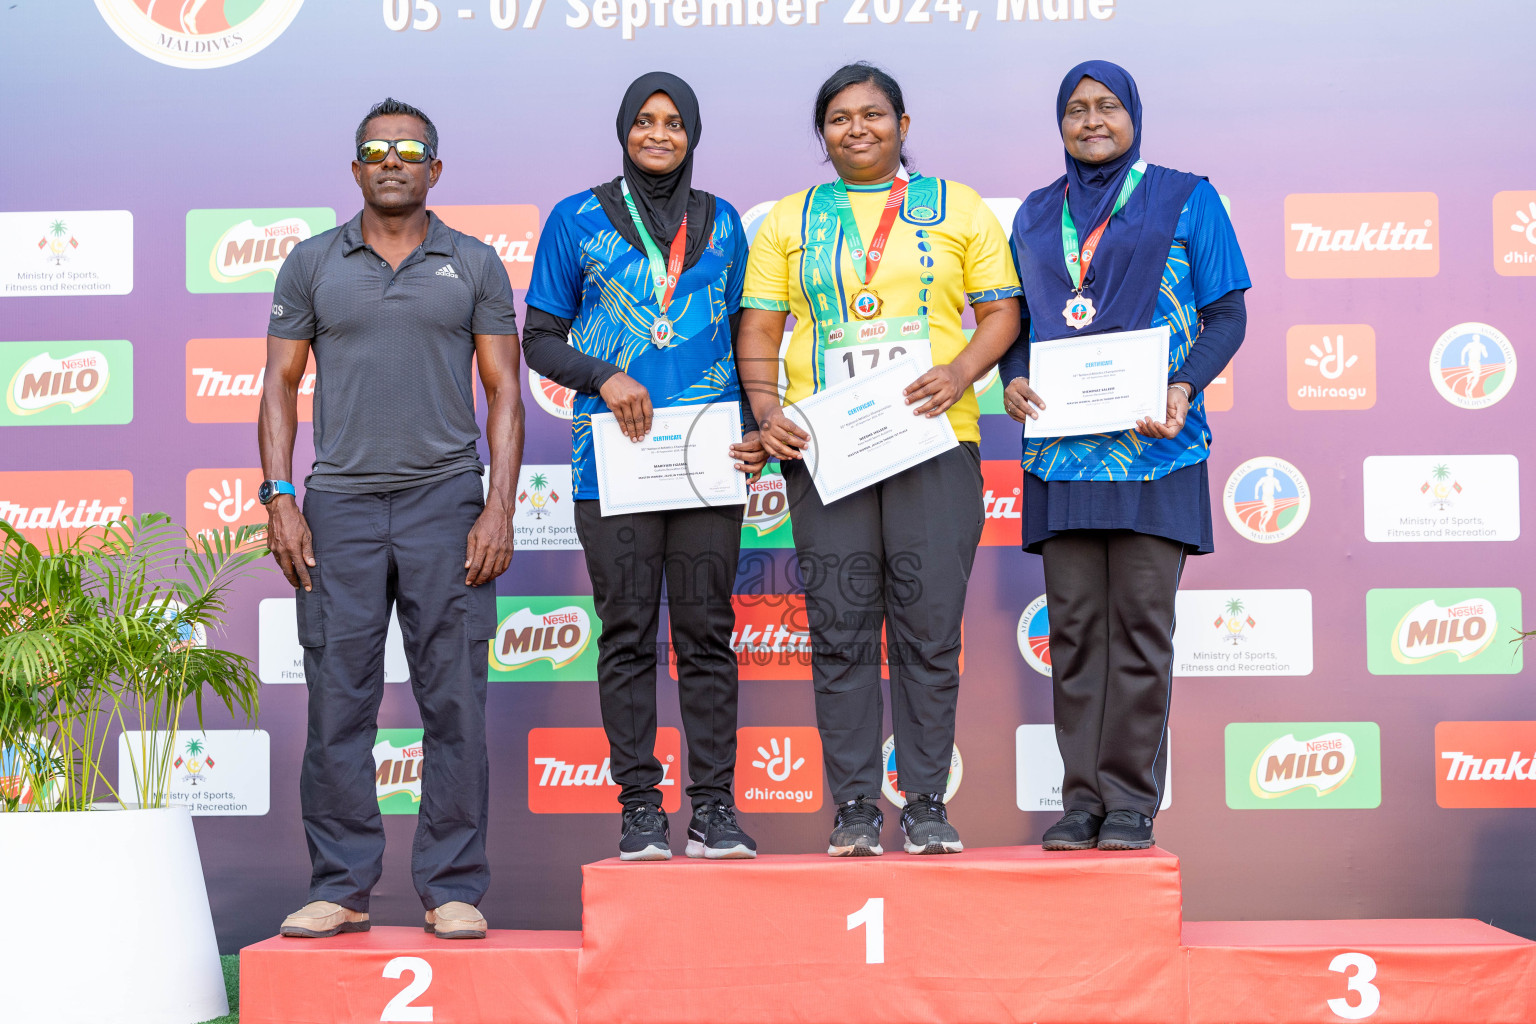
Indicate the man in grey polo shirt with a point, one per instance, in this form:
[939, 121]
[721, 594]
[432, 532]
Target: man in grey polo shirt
[394, 305]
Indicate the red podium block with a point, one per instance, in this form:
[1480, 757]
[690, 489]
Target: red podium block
[1003, 935]
[404, 974]
[1385, 972]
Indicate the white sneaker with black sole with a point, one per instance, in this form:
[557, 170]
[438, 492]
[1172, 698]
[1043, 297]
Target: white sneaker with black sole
[714, 834]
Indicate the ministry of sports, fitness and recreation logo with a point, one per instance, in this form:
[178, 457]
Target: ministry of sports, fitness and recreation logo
[1300, 765]
[1243, 632]
[1034, 635]
[1442, 632]
[1472, 365]
[198, 33]
[1267, 500]
[73, 383]
[888, 784]
[544, 638]
[1442, 498]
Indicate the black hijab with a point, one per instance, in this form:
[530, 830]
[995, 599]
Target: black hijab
[662, 199]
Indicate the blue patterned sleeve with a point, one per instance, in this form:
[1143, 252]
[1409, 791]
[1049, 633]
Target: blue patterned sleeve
[1216, 260]
[556, 284]
[736, 276]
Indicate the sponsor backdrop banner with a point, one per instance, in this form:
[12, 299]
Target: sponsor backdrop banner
[1354, 730]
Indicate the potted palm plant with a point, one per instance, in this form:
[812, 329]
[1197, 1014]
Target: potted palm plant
[104, 635]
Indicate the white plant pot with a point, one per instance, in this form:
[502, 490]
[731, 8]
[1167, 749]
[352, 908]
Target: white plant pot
[106, 919]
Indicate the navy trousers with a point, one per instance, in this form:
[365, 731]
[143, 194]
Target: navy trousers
[404, 549]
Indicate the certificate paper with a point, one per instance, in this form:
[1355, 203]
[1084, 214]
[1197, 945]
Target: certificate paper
[863, 431]
[1099, 384]
[684, 462]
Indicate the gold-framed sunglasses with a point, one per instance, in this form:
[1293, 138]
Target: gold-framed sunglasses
[412, 151]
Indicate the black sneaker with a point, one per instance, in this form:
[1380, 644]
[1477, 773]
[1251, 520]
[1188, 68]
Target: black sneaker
[856, 829]
[645, 834]
[715, 835]
[1125, 830]
[926, 826]
[1077, 830]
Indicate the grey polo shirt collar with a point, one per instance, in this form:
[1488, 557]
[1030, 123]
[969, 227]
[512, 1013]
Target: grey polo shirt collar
[439, 236]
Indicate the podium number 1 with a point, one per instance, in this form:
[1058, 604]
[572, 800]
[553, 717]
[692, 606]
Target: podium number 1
[400, 1008]
[1360, 981]
[872, 916]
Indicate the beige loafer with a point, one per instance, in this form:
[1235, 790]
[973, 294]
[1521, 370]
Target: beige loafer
[456, 920]
[321, 920]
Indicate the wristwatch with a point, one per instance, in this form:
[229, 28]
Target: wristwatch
[270, 489]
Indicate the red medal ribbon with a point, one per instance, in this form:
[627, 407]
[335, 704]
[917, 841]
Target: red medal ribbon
[675, 262]
[893, 201]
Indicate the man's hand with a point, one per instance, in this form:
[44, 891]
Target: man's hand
[289, 540]
[781, 436]
[750, 455]
[1178, 408]
[490, 544]
[942, 386]
[628, 400]
[1020, 400]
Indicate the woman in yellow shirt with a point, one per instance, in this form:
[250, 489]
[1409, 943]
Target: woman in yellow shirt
[896, 555]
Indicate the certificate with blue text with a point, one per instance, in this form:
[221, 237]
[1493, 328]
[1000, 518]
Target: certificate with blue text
[1099, 384]
[863, 430]
[684, 462]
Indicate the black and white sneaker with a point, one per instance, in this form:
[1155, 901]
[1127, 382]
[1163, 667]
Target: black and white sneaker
[1125, 830]
[927, 827]
[856, 829]
[645, 834]
[1077, 830]
[714, 834]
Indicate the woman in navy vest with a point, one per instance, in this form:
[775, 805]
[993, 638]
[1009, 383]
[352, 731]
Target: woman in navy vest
[1117, 244]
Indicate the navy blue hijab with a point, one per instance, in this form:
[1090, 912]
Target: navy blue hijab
[1127, 267]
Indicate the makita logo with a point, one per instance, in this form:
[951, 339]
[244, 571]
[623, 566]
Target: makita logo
[510, 251]
[1466, 768]
[61, 516]
[1485, 764]
[1002, 508]
[557, 636]
[1362, 234]
[569, 772]
[1287, 764]
[770, 639]
[214, 383]
[1385, 237]
[563, 773]
[248, 248]
[1464, 629]
[42, 382]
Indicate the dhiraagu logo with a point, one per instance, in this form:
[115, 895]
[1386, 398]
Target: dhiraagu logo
[1303, 765]
[241, 250]
[545, 638]
[66, 383]
[1464, 631]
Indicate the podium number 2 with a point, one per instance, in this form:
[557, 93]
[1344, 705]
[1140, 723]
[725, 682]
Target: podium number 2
[872, 916]
[1360, 981]
[400, 1008]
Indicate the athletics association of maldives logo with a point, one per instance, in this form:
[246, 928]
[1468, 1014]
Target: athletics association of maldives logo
[889, 783]
[1267, 500]
[553, 398]
[1035, 636]
[198, 33]
[1472, 365]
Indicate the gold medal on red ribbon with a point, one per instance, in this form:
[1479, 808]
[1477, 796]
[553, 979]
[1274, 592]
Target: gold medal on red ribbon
[866, 304]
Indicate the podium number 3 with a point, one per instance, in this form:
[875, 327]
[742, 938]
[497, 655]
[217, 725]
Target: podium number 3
[872, 916]
[400, 1008]
[1360, 981]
